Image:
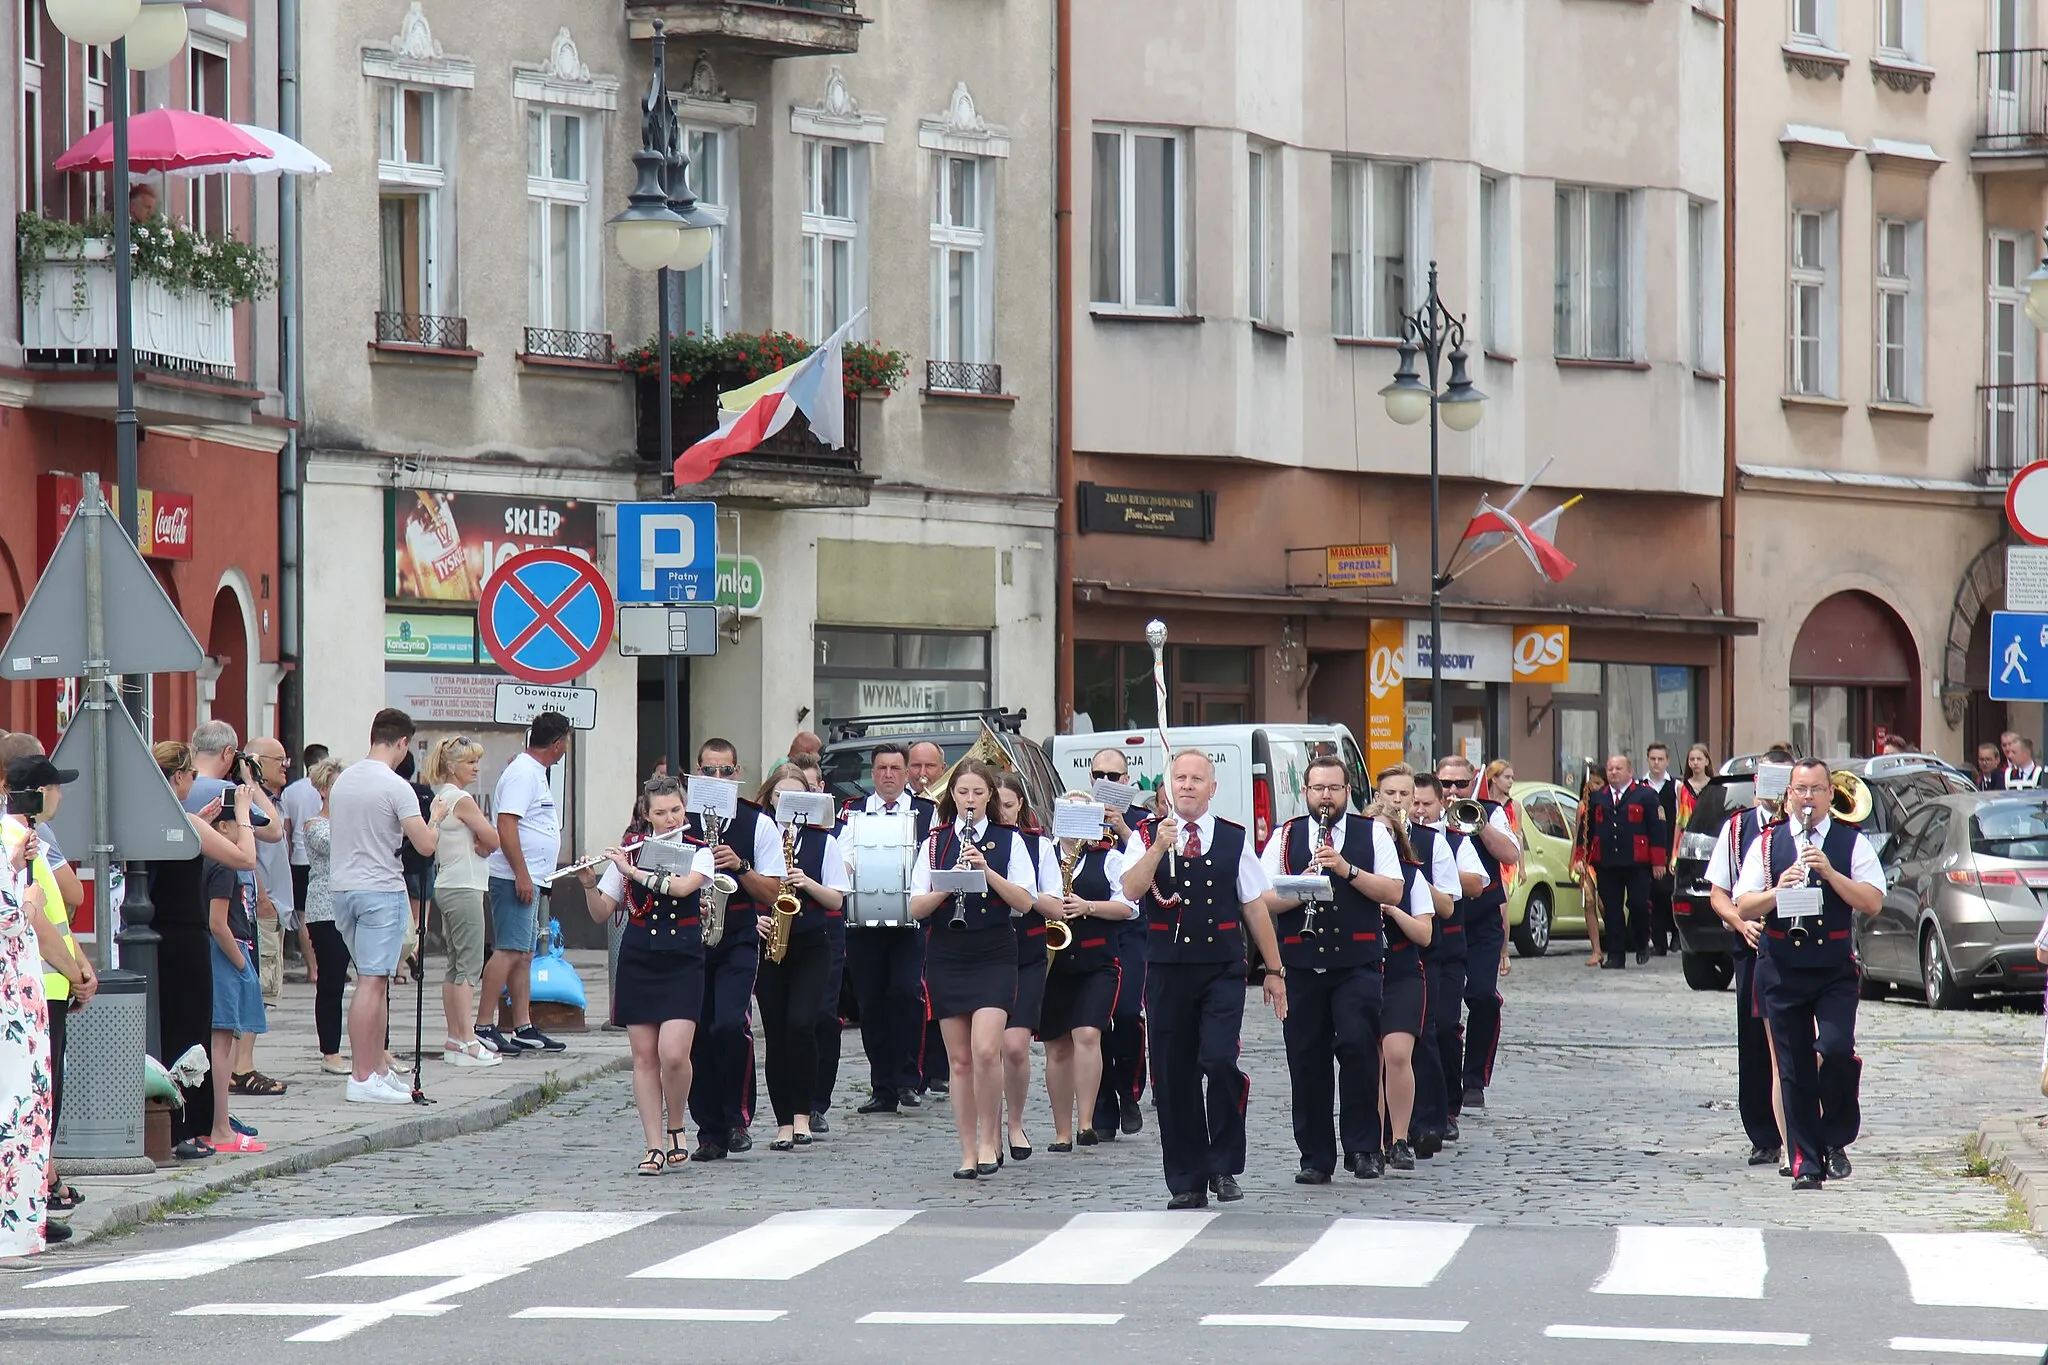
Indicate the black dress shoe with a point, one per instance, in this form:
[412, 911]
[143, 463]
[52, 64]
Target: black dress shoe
[909, 1099]
[1088, 1137]
[1225, 1189]
[1351, 1162]
[1451, 1131]
[1837, 1163]
[1105, 1134]
[56, 1233]
[1658, 950]
[1309, 1175]
[1475, 1098]
[1189, 1199]
[1642, 957]
[1428, 1145]
[1371, 1166]
[877, 1106]
[938, 1090]
[740, 1141]
[1133, 1118]
[1402, 1157]
[708, 1151]
[819, 1127]
[1809, 1181]
[1764, 1156]
[1613, 962]
[989, 1167]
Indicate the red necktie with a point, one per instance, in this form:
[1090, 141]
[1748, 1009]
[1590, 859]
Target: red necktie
[1194, 841]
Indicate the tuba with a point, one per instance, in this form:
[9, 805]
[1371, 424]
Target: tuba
[1851, 802]
[788, 905]
[987, 748]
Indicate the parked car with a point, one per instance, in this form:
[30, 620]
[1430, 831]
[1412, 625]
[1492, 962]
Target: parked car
[1545, 901]
[1899, 785]
[847, 761]
[1965, 875]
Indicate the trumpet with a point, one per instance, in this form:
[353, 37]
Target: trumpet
[788, 905]
[1059, 935]
[1466, 817]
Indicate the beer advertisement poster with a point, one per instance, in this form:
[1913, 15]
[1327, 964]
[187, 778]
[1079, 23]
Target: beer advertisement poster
[443, 547]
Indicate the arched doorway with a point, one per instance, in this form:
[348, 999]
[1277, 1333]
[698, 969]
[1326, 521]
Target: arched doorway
[227, 641]
[1855, 678]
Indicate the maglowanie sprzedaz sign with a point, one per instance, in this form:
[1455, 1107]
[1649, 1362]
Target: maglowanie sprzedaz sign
[1148, 512]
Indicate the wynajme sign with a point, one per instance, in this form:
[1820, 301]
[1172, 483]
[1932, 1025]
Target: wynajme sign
[1148, 512]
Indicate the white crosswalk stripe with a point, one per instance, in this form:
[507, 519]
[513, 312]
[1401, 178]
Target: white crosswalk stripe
[785, 1246]
[1384, 1252]
[1100, 1248]
[1693, 1263]
[204, 1258]
[503, 1247]
[1972, 1269]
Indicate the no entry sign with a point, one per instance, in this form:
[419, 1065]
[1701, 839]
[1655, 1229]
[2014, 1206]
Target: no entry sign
[546, 616]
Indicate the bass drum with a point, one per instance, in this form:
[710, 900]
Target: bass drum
[879, 849]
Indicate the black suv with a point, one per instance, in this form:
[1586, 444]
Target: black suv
[1899, 784]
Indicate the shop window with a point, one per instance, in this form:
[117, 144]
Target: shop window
[1622, 709]
[881, 672]
[1473, 710]
[1206, 685]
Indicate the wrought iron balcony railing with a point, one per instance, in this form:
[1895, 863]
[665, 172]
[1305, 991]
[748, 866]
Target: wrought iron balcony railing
[2012, 429]
[2012, 100]
[555, 344]
[423, 329]
[962, 376]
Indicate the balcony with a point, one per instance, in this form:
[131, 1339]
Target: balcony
[2012, 430]
[552, 343]
[962, 378]
[2012, 110]
[791, 469]
[184, 344]
[770, 28]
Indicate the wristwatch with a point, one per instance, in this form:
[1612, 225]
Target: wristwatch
[1280, 972]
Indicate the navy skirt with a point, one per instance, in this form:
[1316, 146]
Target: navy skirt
[1401, 1009]
[656, 988]
[1030, 996]
[970, 969]
[1078, 1000]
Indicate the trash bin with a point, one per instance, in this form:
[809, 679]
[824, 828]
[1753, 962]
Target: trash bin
[103, 1078]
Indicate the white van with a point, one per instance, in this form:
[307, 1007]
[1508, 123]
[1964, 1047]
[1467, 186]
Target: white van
[1259, 768]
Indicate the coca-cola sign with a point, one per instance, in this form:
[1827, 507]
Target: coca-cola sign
[163, 520]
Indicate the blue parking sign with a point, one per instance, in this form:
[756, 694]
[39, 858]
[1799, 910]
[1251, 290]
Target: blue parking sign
[2019, 656]
[668, 552]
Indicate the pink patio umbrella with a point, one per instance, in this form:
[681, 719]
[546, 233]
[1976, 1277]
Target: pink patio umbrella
[163, 140]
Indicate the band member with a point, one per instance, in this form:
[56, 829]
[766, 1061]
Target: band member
[658, 993]
[792, 991]
[1082, 986]
[1012, 806]
[1628, 832]
[1334, 951]
[748, 849]
[887, 964]
[1499, 849]
[1439, 1050]
[1123, 1046]
[829, 1026]
[1758, 1091]
[971, 953]
[1811, 995]
[927, 766]
[1586, 860]
[1659, 780]
[1410, 921]
[1197, 879]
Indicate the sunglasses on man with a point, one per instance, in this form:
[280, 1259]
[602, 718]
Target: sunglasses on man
[718, 770]
[1097, 775]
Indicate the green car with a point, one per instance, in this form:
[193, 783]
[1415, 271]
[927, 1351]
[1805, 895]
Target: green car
[1545, 902]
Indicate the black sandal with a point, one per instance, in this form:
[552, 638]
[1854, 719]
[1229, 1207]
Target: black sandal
[678, 1153]
[255, 1083]
[653, 1165]
[64, 1199]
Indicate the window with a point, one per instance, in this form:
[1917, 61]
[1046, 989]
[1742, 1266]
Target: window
[1899, 275]
[560, 292]
[206, 85]
[1811, 305]
[1595, 274]
[98, 65]
[412, 191]
[1899, 28]
[2010, 393]
[1813, 21]
[832, 260]
[1372, 204]
[1210, 685]
[1136, 263]
[1263, 265]
[963, 259]
[32, 106]
[883, 672]
[1493, 265]
[1702, 278]
[705, 295]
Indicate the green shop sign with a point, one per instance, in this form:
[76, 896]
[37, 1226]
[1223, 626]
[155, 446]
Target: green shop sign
[741, 583]
[412, 637]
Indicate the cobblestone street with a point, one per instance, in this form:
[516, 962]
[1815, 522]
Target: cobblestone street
[1613, 1102]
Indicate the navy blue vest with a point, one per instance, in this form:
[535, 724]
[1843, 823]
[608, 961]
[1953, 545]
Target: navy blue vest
[985, 910]
[1202, 926]
[1816, 942]
[1447, 936]
[1093, 946]
[1404, 959]
[1348, 929]
[1031, 925]
[662, 924]
[810, 860]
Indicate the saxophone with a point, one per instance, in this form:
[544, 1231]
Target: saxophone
[711, 908]
[788, 905]
[1059, 935]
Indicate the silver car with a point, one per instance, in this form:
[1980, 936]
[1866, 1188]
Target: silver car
[1965, 875]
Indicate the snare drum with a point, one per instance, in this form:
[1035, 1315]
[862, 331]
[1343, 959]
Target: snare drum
[879, 850]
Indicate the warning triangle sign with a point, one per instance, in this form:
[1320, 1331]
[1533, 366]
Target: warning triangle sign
[144, 632]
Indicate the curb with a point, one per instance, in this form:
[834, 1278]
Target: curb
[114, 1218]
[2018, 1159]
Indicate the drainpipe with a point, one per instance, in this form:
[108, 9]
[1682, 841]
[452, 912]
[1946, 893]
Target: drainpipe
[1728, 368]
[1063, 367]
[291, 516]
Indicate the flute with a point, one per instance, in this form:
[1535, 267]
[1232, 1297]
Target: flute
[670, 838]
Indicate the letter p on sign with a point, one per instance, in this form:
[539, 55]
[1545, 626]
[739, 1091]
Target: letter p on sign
[1542, 654]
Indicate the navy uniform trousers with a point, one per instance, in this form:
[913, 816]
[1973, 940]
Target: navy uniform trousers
[1439, 1048]
[722, 1057]
[1485, 939]
[1123, 1042]
[1813, 1022]
[1334, 1015]
[1753, 1057]
[1195, 1014]
[887, 968]
[828, 1015]
[1623, 928]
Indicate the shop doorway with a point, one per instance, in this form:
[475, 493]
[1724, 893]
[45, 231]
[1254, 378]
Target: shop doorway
[1854, 674]
[227, 642]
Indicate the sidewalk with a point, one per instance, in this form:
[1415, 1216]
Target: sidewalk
[312, 1125]
[2016, 1146]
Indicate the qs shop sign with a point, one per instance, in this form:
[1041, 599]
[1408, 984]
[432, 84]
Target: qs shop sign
[1385, 710]
[1542, 654]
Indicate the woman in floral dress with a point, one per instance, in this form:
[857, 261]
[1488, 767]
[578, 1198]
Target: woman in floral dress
[24, 1064]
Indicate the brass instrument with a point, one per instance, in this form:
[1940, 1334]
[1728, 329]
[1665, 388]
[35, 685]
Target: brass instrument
[1059, 935]
[1325, 823]
[788, 905]
[987, 748]
[1852, 801]
[1467, 817]
[711, 907]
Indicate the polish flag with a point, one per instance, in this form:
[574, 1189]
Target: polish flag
[814, 386]
[1533, 537]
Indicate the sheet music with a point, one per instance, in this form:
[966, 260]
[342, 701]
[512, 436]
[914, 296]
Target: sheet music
[1304, 888]
[1799, 903]
[1110, 792]
[717, 796]
[1771, 781]
[661, 856]
[804, 808]
[972, 880]
[1077, 820]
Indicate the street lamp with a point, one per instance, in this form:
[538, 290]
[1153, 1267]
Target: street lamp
[1435, 334]
[157, 35]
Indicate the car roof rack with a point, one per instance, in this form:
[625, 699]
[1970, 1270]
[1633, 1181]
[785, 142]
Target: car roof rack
[997, 718]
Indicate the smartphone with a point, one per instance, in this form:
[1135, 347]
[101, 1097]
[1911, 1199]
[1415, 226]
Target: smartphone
[227, 805]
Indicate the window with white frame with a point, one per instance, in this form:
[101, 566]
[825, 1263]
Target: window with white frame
[963, 259]
[1813, 22]
[1372, 207]
[1702, 270]
[2010, 395]
[561, 290]
[98, 65]
[832, 237]
[704, 296]
[1493, 264]
[412, 184]
[31, 145]
[207, 87]
[1900, 28]
[1900, 289]
[1263, 263]
[1137, 263]
[1811, 305]
[1595, 274]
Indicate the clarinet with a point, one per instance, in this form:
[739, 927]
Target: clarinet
[1324, 824]
[959, 920]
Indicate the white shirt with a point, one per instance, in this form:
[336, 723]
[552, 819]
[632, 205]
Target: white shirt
[298, 803]
[1252, 881]
[1049, 877]
[1498, 818]
[1020, 871]
[1721, 869]
[1443, 865]
[902, 805]
[1420, 905]
[523, 792]
[1383, 851]
[612, 885]
[1863, 864]
[1657, 784]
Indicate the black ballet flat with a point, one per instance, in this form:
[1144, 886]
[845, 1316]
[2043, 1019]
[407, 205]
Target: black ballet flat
[1021, 1153]
[967, 1173]
[989, 1167]
[782, 1145]
[1087, 1137]
[802, 1139]
[1060, 1147]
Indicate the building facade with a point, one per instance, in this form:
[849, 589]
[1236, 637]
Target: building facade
[1261, 190]
[467, 399]
[1892, 193]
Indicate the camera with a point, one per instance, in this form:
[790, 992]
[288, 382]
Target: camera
[26, 804]
[227, 805]
[250, 767]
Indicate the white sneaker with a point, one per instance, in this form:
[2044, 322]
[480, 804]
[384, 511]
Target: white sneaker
[395, 1083]
[374, 1091]
[471, 1053]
